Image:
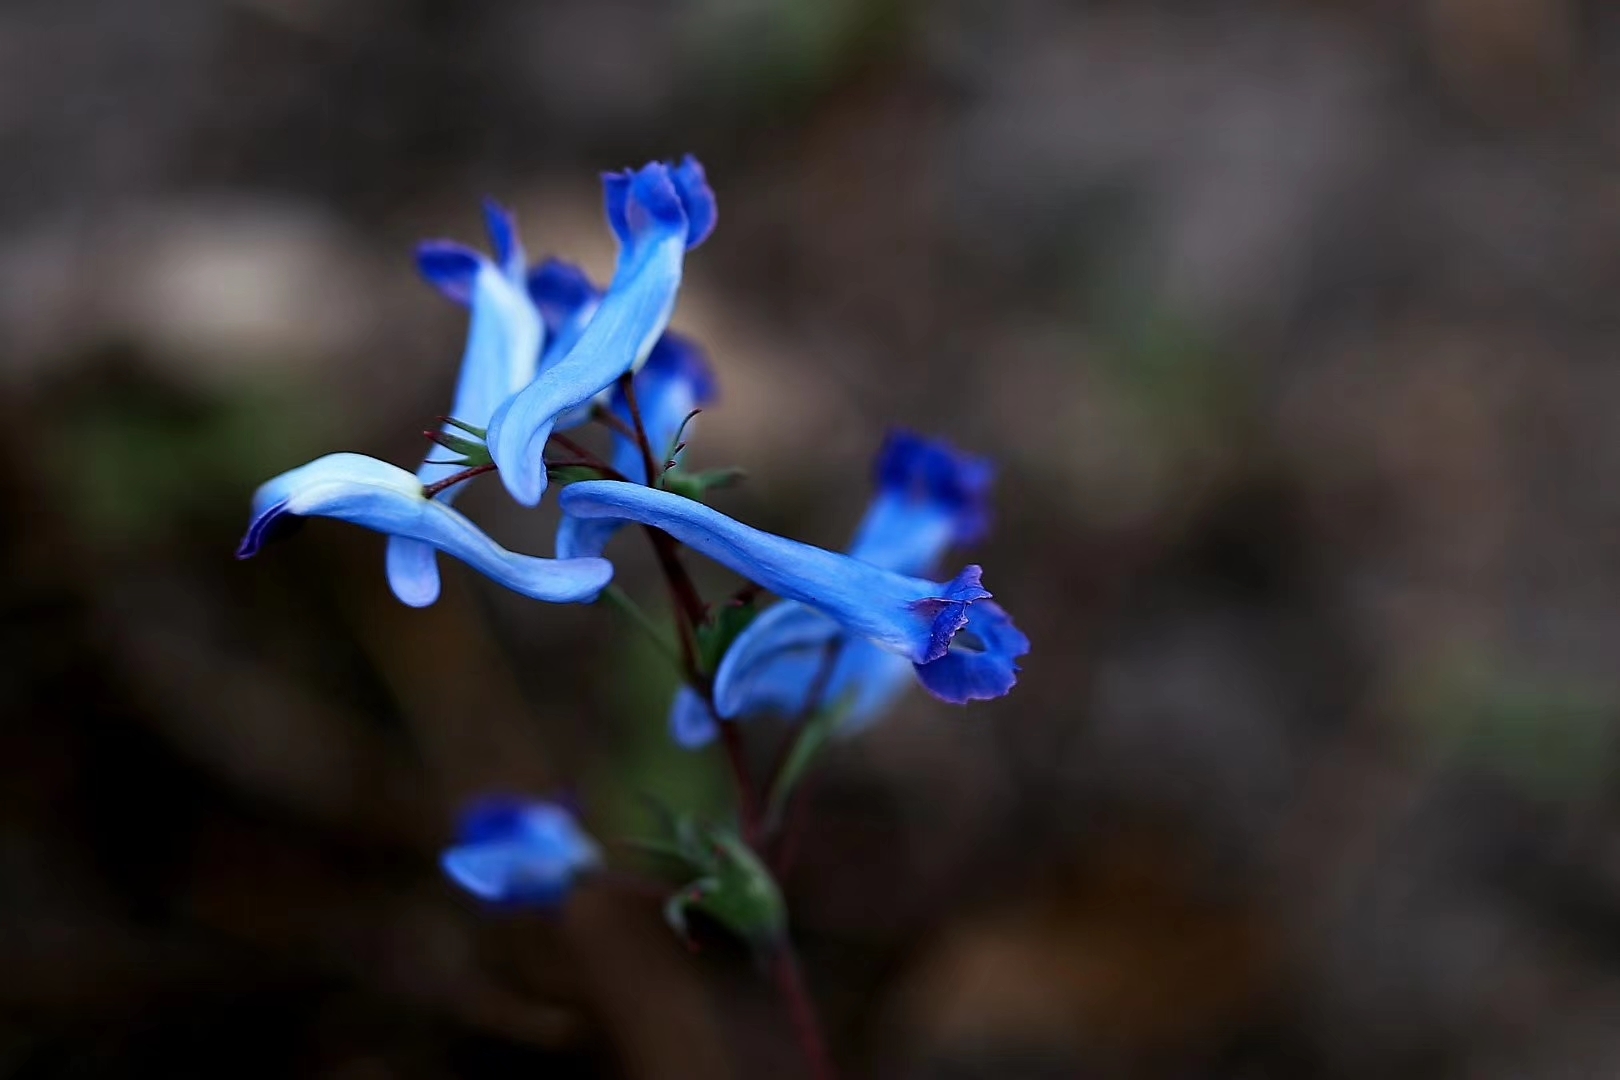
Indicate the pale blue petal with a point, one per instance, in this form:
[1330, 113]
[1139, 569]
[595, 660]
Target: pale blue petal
[691, 724]
[911, 616]
[648, 209]
[413, 571]
[387, 499]
[519, 852]
[675, 380]
[504, 338]
[579, 538]
[502, 355]
[775, 665]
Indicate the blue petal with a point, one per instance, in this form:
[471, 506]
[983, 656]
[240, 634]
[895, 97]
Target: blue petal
[930, 497]
[675, 380]
[513, 851]
[649, 213]
[503, 238]
[579, 538]
[502, 354]
[449, 267]
[697, 198]
[379, 496]
[413, 570]
[775, 666]
[982, 663]
[672, 195]
[504, 337]
[561, 291]
[913, 617]
[691, 724]
[508, 874]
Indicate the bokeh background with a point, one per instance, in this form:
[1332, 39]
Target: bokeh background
[1291, 326]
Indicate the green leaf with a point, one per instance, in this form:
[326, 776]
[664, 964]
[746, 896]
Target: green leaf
[475, 452]
[731, 884]
[694, 485]
[715, 637]
[569, 474]
[739, 893]
[477, 432]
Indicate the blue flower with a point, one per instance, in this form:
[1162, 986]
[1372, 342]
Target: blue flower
[675, 380]
[915, 618]
[519, 852]
[383, 497]
[504, 338]
[658, 212]
[929, 498]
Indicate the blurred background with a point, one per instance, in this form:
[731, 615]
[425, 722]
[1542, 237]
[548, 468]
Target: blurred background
[1291, 327]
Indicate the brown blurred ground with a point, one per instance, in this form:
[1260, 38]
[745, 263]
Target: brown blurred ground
[1291, 325]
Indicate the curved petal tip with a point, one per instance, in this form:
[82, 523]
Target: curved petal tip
[981, 663]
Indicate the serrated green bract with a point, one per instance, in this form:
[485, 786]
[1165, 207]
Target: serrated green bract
[694, 485]
[473, 451]
[737, 891]
[732, 885]
[477, 432]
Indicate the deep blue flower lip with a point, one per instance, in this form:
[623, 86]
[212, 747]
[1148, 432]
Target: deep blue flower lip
[504, 339]
[676, 195]
[567, 300]
[387, 499]
[564, 294]
[501, 226]
[930, 497]
[657, 212]
[519, 852]
[913, 617]
[449, 266]
[981, 668]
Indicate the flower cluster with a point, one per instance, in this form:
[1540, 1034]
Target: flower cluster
[547, 352]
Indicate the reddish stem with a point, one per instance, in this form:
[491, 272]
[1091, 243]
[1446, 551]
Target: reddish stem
[606, 418]
[690, 613]
[747, 802]
[627, 387]
[430, 490]
[789, 982]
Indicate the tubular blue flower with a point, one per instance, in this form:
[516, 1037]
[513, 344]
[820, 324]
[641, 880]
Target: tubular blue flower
[675, 380]
[658, 213]
[519, 852]
[929, 497]
[504, 337]
[914, 618]
[387, 499]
